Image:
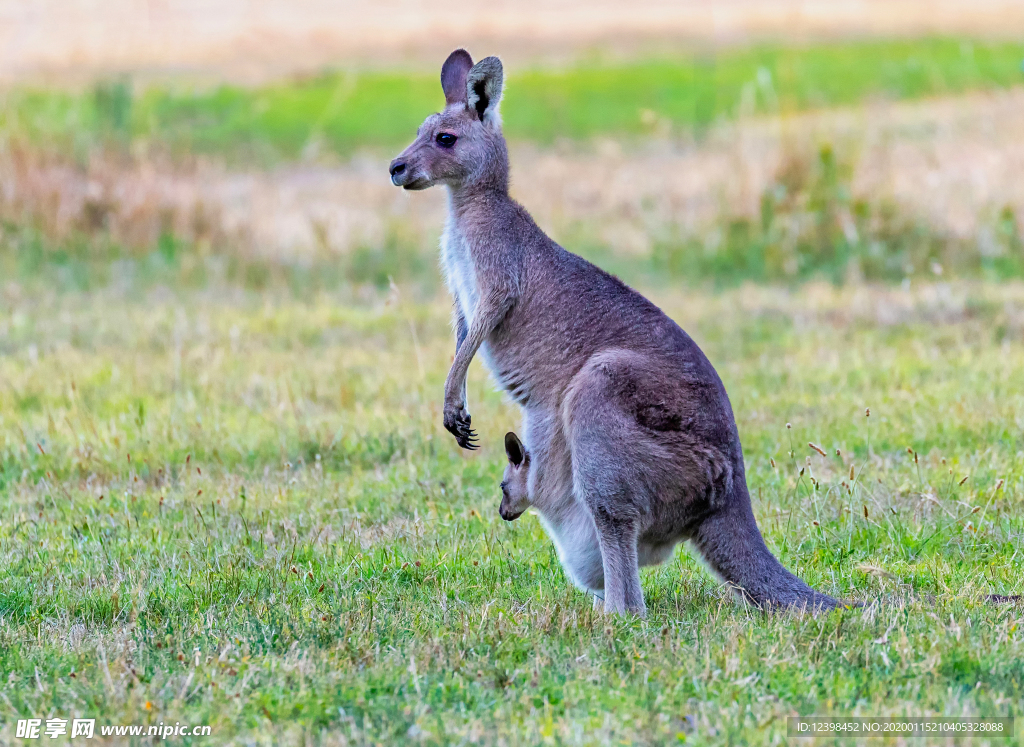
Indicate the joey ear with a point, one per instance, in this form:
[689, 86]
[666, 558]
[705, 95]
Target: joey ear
[514, 449]
[453, 76]
[483, 88]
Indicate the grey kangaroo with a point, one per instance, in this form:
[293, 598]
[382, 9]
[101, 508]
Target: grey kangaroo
[631, 444]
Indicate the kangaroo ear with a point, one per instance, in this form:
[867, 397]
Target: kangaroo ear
[453, 76]
[483, 89]
[514, 449]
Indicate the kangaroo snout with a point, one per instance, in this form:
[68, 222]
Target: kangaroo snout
[408, 173]
[397, 170]
[506, 514]
[505, 510]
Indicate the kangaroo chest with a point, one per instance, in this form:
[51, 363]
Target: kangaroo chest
[459, 272]
[461, 278]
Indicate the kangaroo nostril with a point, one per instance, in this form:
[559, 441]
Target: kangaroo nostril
[397, 167]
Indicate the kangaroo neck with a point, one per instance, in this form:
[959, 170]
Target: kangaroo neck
[475, 201]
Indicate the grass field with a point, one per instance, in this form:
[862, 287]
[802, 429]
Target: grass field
[340, 112]
[226, 496]
[238, 509]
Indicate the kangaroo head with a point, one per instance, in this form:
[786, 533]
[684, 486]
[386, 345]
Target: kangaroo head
[463, 144]
[515, 496]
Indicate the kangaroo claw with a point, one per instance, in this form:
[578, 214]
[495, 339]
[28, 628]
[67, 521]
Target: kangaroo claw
[469, 440]
[457, 422]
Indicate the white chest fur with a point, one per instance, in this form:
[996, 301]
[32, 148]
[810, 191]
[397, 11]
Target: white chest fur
[460, 274]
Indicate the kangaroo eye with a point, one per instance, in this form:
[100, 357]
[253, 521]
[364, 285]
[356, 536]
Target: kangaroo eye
[446, 139]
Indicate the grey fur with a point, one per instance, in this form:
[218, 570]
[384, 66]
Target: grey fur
[454, 74]
[632, 444]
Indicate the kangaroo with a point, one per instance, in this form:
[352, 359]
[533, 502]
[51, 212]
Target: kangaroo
[632, 443]
[579, 549]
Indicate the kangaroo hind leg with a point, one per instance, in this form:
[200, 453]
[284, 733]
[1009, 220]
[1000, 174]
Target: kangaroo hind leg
[611, 479]
[603, 488]
[622, 592]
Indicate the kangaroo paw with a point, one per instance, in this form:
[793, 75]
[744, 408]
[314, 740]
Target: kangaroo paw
[457, 422]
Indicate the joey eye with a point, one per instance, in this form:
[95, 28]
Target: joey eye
[445, 139]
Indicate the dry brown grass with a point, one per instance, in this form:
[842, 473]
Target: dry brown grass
[952, 163]
[253, 39]
[133, 200]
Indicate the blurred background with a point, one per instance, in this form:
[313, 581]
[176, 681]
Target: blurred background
[244, 142]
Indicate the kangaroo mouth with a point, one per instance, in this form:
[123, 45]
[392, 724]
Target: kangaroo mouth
[509, 516]
[410, 182]
[409, 179]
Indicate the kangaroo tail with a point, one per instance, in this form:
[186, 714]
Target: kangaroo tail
[733, 546]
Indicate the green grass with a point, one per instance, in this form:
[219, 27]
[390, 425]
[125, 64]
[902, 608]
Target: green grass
[341, 112]
[241, 509]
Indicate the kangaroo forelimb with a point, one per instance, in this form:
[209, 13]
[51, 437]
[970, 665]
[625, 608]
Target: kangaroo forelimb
[457, 420]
